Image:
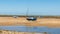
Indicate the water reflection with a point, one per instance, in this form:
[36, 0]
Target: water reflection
[31, 29]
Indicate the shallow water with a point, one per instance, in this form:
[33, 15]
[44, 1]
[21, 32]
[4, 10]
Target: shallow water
[31, 29]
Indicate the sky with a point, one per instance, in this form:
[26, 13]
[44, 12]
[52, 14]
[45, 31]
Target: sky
[36, 7]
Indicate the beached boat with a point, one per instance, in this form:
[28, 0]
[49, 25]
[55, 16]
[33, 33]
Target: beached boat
[47, 21]
[30, 23]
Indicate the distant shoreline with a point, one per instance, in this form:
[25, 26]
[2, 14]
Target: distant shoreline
[30, 16]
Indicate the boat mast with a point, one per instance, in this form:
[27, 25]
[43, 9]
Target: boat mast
[27, 12]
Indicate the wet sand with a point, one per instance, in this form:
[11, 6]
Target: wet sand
[21, 21]
[15, 32]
